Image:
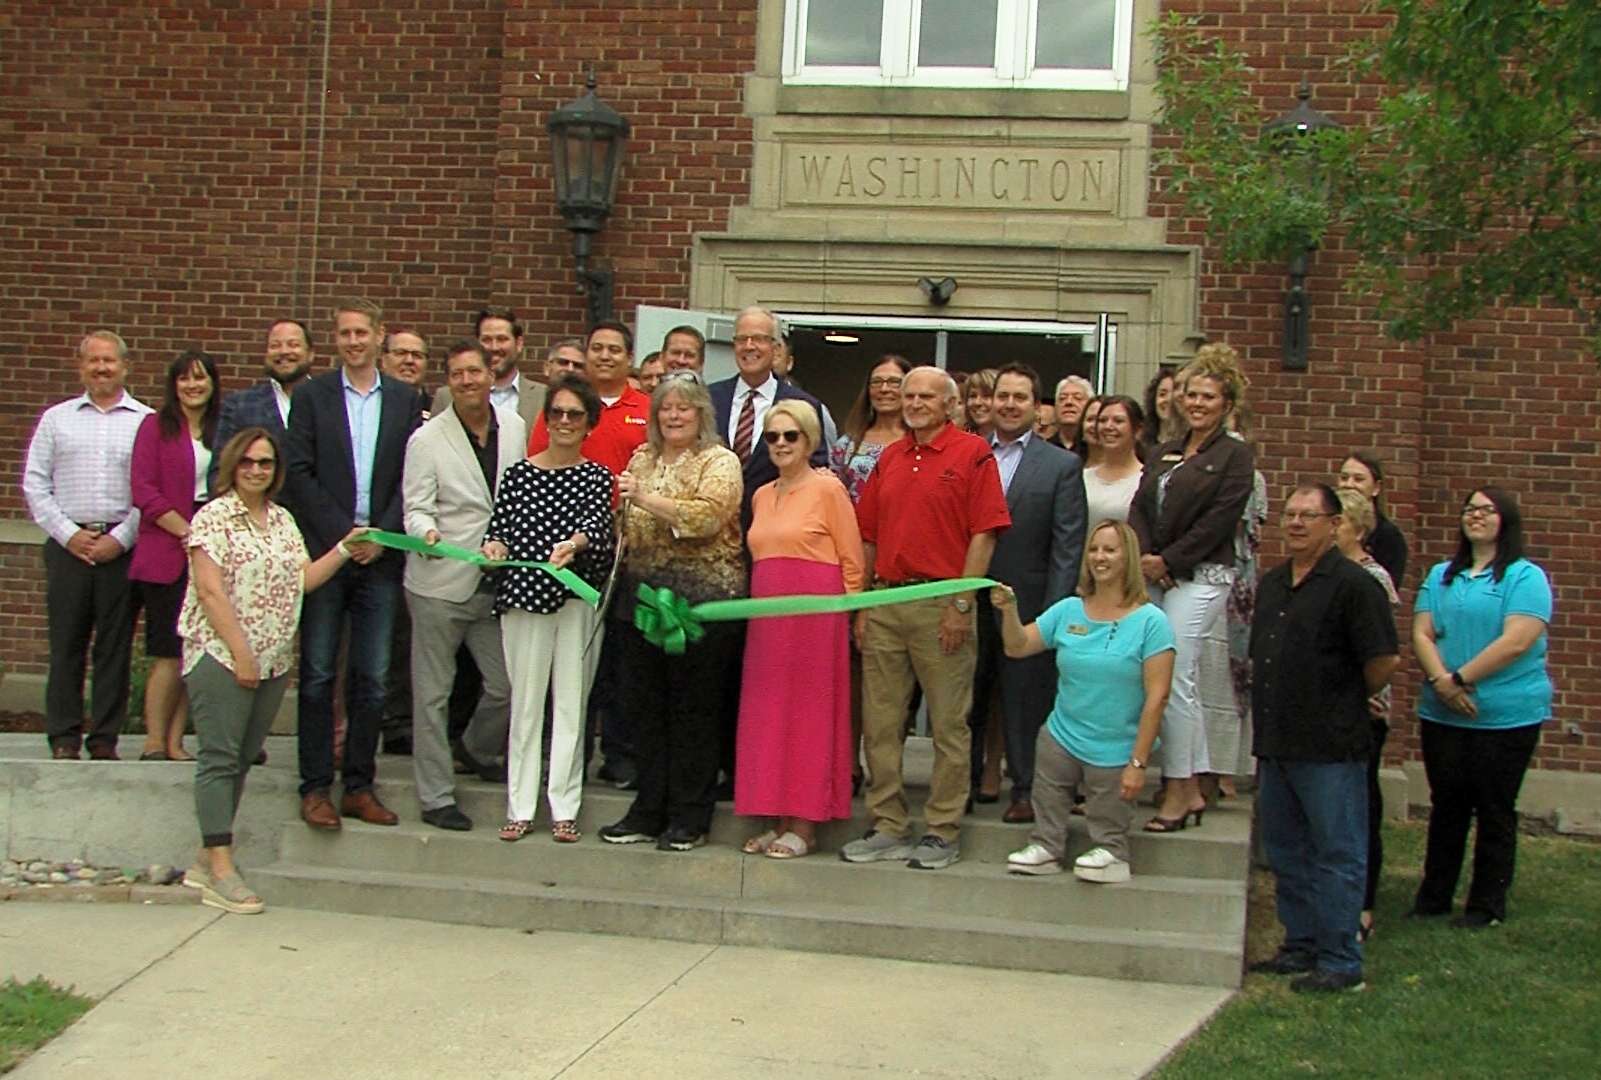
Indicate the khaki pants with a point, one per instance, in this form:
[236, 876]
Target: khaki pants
[900, 650]
[1057, 775]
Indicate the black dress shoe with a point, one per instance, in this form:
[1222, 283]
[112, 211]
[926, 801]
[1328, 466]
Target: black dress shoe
[448, 817]
[399, 745]
[488, 771]
[1285, 963]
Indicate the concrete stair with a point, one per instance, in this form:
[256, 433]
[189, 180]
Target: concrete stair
[1181, 919]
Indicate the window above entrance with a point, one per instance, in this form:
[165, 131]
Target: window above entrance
[987, 44]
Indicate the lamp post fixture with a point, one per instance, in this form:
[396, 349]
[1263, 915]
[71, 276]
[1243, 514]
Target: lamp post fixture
[587, 138]
[1286, 132]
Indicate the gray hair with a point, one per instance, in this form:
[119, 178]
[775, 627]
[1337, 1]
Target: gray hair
[952, 391]
[105, 335]
[780, 331]
[1074, 380]
[692, 393]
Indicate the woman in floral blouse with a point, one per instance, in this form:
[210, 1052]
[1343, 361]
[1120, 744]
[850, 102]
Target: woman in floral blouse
[248, 570]
[682, 492]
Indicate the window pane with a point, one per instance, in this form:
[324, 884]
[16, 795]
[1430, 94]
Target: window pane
[957, 33]
[1075, 34]
[844, 32]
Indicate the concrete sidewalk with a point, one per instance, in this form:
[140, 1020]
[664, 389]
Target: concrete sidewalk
[187, 991]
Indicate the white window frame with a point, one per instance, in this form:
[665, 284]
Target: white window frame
[1017, 23]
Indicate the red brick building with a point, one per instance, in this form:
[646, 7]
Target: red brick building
[186, 172]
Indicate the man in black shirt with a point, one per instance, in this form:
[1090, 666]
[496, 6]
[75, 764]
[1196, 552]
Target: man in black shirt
[1322, 641]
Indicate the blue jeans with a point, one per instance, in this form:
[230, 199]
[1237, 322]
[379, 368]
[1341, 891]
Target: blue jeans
[369, 597]
[1314, 818]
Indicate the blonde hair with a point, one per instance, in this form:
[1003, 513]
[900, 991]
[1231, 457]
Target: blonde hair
[691, 393]
[110, 336]
[360, 306]
[1133, 581]
[805, 418]
[1357, 509]
[1220, 363]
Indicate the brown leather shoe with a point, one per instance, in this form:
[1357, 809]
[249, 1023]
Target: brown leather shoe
[103, 753]
[64, 753]
[317, 810]
[1020, 812]
[365, 805]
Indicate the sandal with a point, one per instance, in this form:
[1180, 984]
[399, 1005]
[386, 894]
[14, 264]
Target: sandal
[1162, 824]
[788, 846]
[154, 755]
[565, 832]
[515, 829]
[231, 894]
[758, 844]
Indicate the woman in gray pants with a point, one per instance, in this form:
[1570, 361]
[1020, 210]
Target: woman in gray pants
[248, 570]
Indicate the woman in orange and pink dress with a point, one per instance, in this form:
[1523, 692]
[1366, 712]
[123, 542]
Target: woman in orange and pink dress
[795, 752]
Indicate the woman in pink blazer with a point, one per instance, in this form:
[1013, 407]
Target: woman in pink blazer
[168, 480]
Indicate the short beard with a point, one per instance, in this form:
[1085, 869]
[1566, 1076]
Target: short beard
[293, 377]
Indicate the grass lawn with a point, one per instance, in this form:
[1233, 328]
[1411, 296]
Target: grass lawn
[31, 1014]
[1519, 1000]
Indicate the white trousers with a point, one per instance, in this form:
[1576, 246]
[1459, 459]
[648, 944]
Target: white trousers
[547, 651]
[1198, 613]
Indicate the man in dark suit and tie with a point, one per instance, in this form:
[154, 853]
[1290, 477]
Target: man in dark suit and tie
[1038, 557]
[267, 403]
[347, 442]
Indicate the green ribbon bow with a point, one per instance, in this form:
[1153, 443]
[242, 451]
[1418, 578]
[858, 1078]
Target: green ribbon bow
[671, 623]
[404, 542]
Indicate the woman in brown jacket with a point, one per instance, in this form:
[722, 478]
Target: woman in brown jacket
[1185, 514]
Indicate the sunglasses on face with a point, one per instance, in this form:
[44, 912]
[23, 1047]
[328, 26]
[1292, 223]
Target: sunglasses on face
[258, 463]
[569, 415]
[771, 437]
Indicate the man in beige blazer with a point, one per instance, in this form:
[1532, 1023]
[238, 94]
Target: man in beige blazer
[454, 463]
[501, 336]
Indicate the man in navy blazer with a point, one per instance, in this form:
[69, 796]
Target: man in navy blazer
[753, 391]
[347, 444]
[267, 403]
[1038, 557]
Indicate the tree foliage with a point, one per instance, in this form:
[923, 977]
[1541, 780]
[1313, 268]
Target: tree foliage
[1475, 179]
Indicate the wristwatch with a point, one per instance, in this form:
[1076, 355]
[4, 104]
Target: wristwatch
[1136, 762]
[962, 605]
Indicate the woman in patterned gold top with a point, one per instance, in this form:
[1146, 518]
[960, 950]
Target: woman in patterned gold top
[681, 530]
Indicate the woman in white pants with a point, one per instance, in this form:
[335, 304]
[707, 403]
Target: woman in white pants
[1185, 514]
[553, 507]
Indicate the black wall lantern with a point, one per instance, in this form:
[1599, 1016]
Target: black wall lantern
[586, 142]
[1286, 134]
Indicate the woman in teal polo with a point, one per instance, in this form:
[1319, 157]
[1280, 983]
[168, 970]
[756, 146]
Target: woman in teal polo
[1479, 632]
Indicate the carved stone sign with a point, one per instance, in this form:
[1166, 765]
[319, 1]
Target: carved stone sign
[1081, 181]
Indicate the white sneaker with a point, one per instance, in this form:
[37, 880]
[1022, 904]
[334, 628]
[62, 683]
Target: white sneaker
[1033, 859]
[1101, 866]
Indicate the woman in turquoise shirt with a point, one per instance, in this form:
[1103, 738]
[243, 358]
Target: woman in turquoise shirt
[1479, 630]
[1114, 658]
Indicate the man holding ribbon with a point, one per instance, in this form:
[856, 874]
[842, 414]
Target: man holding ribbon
[930, 510]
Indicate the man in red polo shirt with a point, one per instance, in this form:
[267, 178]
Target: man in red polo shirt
[624, 411]
[930, 510]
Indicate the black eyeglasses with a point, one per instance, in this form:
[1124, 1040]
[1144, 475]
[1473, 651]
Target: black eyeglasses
[1480, 510]
[771, 437]
[573, 415]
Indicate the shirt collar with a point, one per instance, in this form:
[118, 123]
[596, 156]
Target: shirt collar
[513, 387]
[1021, 442]
[126, 401]
[344, 381]
[765, 390]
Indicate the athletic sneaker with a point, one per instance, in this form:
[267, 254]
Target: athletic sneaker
[625, 833]
[877, 847]
[680, 838]
[932, 853]
[1033, 859]
[1100, 866]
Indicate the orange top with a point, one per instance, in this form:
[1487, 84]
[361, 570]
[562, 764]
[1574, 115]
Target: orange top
[814, 520]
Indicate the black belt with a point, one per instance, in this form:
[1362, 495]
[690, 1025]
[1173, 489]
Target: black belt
[880, 583]
[98, 526]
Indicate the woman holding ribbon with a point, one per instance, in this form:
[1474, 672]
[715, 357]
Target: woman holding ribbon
[553, 507]
[682, 493]
[795, 750]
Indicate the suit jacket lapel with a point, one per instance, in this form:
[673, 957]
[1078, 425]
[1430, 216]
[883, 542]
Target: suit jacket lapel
[1023, 476]
[456, 435]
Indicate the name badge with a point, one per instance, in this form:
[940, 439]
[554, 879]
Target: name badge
[1172, 457]
[1078, 629]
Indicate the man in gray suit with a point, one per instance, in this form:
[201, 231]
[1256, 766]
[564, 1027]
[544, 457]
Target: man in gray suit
[1038, 557]
[501, 336]
[454, 463]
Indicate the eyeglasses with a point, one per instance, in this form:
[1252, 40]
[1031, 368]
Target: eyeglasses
[1480, 510]
[753, 339]
[258, 463]
[1304, 515]
[681, 375]
[570, 415]
[883, 382]
[409, 354]
[771, 437]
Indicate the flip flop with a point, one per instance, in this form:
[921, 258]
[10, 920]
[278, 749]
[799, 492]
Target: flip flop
[758, 844]
[788, 846]
[155, 755]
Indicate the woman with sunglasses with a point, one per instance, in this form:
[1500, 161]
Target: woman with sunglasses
[795, 752]
[248, 570]
[1479, 633]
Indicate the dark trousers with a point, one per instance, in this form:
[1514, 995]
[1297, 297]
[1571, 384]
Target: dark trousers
[1473, 773]
[675, 704]
[1028, 690]
[1314, 824]
[87, 602]
[607, 710]
[986, 669]
[369, 596]
[1381, 731]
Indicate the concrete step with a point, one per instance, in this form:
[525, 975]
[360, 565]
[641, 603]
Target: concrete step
[971, 887]
[985, 940]
[1219, 849]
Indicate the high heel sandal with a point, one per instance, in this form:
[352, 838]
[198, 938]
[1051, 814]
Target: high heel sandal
[1196, 814]
[1162, 824]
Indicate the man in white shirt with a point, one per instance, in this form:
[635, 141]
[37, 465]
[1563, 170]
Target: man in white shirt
[76, 484]
[501, 335]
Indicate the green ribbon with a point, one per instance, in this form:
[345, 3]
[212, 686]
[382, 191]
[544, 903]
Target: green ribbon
[404, 542]
[671, 623]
